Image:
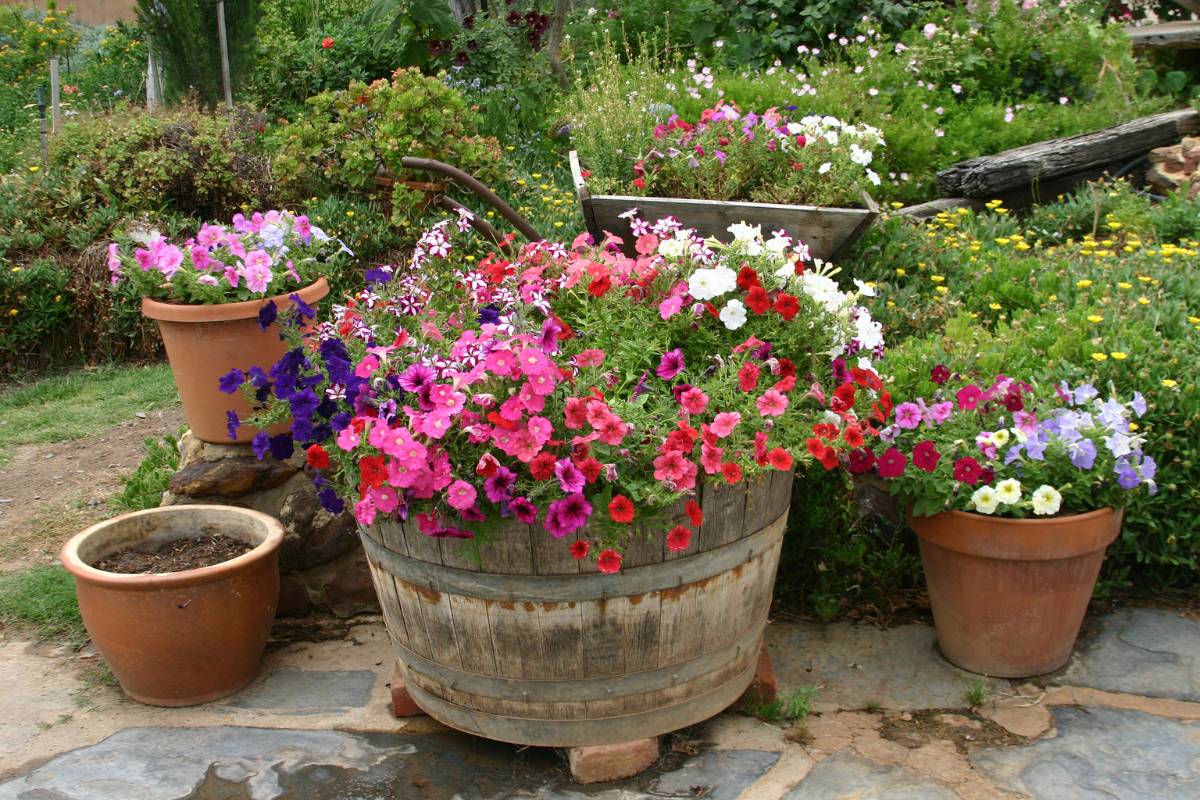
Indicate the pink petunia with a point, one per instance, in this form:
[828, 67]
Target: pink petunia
[908, 415]
[461, 495]
[724, 423]
[589, 358]
[772, 403]
[694, 401]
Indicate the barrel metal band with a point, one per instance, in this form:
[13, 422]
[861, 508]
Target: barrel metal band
[577, 689]
[574, 588]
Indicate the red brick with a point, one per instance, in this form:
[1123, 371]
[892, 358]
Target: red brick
[764, 687]
[402, 703]
[611, 762]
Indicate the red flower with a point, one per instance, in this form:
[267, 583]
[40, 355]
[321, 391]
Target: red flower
[692, 509]
[892, 463]
[679, 538]
[843, 397]
[925, 456]
[609, 561]
[621, 509]
[372, 470]
[967, 470]
[542, 466]
[731, 472]
[757, 300]
[327, 42]
[787, 306]
[939, 374]
[317, 457]
[785, 385]
[641, 184]
[782, 460]
[579, 549]
[590, 468]
[787, 368]
[748, 376]
[861, 461]
[854, 436]
[816, 447]
[968, 397]
[600, 286]
[747, 278]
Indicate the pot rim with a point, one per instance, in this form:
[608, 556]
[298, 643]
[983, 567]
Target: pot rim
[223, 312]
[83, 571]
[1022, 521]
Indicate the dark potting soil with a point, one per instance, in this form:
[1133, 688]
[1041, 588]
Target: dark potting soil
[175, 556]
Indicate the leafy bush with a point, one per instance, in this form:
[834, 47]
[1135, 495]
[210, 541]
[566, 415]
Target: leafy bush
[144, 487]
[35, 308]
[351, 142]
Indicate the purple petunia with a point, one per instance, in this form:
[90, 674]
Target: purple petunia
[260, 444]
[303, 309]
[232, 423]
[416, 378]
[567, 515]
[670, 365]
[231, 381]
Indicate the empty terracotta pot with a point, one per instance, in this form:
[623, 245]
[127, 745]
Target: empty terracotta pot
[1009, 595]
[204, 342]
[179, 638]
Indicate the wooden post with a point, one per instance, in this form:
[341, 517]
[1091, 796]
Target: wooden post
[55, 87]
[153, 88]
[224, 43]
[43, 134]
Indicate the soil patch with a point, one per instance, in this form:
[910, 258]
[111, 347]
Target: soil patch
[175, 556]
[50, 491]
[965, 728]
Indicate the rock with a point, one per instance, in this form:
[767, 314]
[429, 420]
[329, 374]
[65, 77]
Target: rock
[1028, 721]
[293, 598]
[939, 760]
[402, 703]
[230, 477]
[847, 775]
[351, 591]
[314, 536]
[1176, 165]
[306, 691]
[610, 762]
[959, 721]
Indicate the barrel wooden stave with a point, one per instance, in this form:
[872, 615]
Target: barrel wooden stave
[524, 640]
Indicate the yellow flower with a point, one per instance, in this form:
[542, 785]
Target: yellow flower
[58, 298]
[1143, 301]
[1083, 284]
[901, 271]
[1053, 298]
[12, 312]
[1194, 320]
[558, 224]
[1099, 357]
[1003, 241]
[1115, 226]
[894, 204]
[995, 306]
[1133, 426]
[1124, 285]
[1167, 382]
[941, 289]
[1118, 355]
[937, 278]
[16, 269]
[34, 168]
[349, 213]
[1095, 318]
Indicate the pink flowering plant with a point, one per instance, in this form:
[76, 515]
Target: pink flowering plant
[263, 255]
[572, 388]
[1010, 448]
[765, 158]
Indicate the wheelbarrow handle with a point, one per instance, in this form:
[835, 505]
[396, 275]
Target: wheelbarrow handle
[473, 183]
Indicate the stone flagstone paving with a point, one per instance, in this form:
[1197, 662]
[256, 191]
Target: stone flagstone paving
[1121, 722]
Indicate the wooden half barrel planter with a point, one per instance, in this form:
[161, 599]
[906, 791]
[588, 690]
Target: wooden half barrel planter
[534, 648]
[828, 232]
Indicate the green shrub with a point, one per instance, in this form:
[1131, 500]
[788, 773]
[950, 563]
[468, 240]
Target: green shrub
[350, 143]
[144, 487]
[184, 36]
[35, 308]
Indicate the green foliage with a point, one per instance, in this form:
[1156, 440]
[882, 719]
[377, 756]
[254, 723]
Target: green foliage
[351, 142]
[790, 704]
[144, 487]
[976, 693]
[184, 37]
[35, 307]
[41, 600]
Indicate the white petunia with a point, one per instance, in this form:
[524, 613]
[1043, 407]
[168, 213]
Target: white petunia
[865, 289]
[1009, 491]
[985, 500]
[745, 233]
[999, 438]
[821, 170]
[671, 248]
[706, 284]
[733, 315]
[1046, 500]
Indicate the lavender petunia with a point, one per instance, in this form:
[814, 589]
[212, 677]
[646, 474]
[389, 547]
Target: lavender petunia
[1083, 453]
[260, 444]
[1127, 477]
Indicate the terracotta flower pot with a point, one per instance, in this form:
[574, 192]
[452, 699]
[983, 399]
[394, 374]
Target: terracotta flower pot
[1009, 595]
[179, 638]
[204, 342]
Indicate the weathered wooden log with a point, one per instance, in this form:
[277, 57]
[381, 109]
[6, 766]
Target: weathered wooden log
[928, 210]
[1181, 35]
[991, 176]
[530, 646]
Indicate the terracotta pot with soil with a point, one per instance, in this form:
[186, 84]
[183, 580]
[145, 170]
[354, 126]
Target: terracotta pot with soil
[179, 600]
[204, 342]
[1009, 595]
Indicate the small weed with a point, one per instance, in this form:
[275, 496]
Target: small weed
[976, 693]
[42, 600]
[792, 704]
[144, 487]
[95, 678]
[874, 706]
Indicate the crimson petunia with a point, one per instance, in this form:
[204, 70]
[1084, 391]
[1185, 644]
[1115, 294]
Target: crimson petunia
[695, 515]
[925, 456]
[620, 508]
[892, 463]
[678, 538]
[967, 470]
[609, 561]
[317, 457]
[579, 549]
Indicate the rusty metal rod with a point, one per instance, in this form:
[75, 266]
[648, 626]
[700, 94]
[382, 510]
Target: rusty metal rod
[472, 183]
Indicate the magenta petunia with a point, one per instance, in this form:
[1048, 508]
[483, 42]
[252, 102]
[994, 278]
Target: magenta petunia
[670, 365]
[567, 515]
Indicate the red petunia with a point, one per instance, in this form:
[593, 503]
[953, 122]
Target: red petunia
[600, 286]
[925, 456]
[892, 463]
[327, 42]
[747, 278]
[579, 549]
[968, 471]
[854, 436]
[372, 471]
[816, 447]
[609, 561]
[695, 515]
[787, 306]
[542, 466]
[317, 457]
[678, 538]
[731, 472]
[757, 300]
[861, 461]
[641, 184]
[590, 468]
[782, 460]
[939, 374]
[748, 376]
[620, 508]
[843, 397]
[787, 368]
